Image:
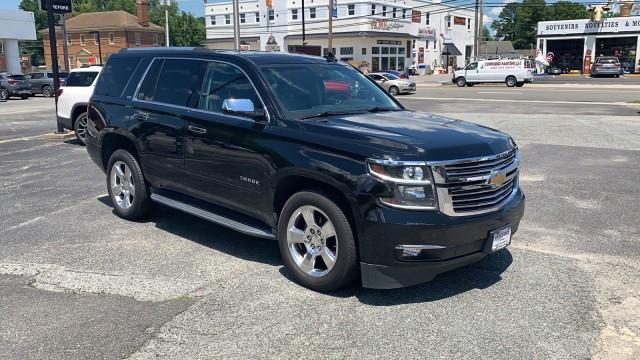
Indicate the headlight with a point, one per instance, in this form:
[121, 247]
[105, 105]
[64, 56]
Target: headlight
[410, 182]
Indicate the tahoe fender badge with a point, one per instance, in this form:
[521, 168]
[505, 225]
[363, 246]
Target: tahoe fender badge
[249, 180]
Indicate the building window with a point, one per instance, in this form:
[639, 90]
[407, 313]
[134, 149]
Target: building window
[325, 51]
[1, 46]
[272, 15]
[138, 41]
[294, 14]
[112, 38]
[364, 51]
[468, 23]
[68, 40]
[227, 19]
[81, 39]
[384, 11]
[373, 9]
[242, 19]
[375, 50]
[404, 13]
[434, 44]
[413, 44]
[312, 13]
[95, 39]
[346, 51]
[213, 20]
[351, 9]
[427, 18]
[257, 17]
[156, 40]
[394, 13]
[427, 45]
[448, 22]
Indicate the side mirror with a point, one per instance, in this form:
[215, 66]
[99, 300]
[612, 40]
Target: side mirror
[238, 106]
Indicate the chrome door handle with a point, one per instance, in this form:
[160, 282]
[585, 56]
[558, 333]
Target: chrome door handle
[196, 130]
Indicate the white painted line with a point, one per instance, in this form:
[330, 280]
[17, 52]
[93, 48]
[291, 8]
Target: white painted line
[23, 138]
[499, 92]
[517, 101]
[27, 111]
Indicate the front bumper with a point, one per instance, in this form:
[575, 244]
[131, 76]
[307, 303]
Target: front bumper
[455, 242]
[606, 71]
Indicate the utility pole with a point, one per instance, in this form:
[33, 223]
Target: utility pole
[54, 58]
[330, 42]
[476, 42]
[65, 48]
[167, 3]
[480, 23]
[236, 24]
[304, 40]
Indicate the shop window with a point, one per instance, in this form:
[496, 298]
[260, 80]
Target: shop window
[294, 14]
[385, 50]
[346, 51]
[364, 51]
[373, 9]
[375, 64]
[393, 50]
[375, 50]
[325, 51]
[400, 64]
[392, 63]
[242, 19]
[227, 19]
[351, 9]
[400, 51]
[312, 13]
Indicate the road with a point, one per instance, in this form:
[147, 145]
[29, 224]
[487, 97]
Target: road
[78, 282]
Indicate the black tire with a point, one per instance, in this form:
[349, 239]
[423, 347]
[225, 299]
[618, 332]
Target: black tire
[470, 84]
[461, 82]
[520, 84]
[4, 94]
[345, 270]
[394, 90]
[511, 81]
[80, 128]
[47, 91]
[617, 76]
[141, 205]
[24, 97]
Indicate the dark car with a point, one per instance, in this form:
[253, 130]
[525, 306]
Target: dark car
[42, 82]
[553, 70]
[14, 85]
[606, 65]
[253, 141]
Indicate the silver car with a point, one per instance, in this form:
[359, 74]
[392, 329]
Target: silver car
[606, 65]
[393, 84]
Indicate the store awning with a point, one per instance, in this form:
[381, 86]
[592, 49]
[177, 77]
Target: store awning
[450, 49]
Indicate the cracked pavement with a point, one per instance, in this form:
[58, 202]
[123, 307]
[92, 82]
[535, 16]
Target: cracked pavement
[78, 282]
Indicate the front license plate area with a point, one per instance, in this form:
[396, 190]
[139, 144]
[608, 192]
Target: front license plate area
[500, 238]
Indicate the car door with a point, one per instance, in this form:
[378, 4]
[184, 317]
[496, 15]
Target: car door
[36, 81]
[471, 72]
[160, 112]
[223, 156]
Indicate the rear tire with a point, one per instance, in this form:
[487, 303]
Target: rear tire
[24, 97]
[470, 84]
[47, 91]
[461, 82]
[316, 242]
[80, 128]
[127, 188]
[4, 94]
[394, 90]
[511, 81]
[520, 84]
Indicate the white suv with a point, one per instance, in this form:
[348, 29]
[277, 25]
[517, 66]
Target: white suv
[73, 99]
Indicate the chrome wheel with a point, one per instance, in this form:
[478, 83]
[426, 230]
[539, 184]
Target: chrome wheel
[123, 187]
[393, 91]
[312, 241]
[47, 91]
[4, 94]
[81, 128]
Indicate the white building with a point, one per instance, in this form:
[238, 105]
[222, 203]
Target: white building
[387, 34]
[575, 44]
[14, 26]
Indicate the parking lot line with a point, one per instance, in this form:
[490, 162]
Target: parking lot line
[23, 138]
[517, 101]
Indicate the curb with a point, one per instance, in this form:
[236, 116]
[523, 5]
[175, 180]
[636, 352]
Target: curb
[69, 135]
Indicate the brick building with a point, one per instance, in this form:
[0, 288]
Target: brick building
[117, 29]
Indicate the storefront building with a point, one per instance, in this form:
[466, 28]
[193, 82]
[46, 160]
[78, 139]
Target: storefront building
[576, 44]
[14, 26]
[387, 35]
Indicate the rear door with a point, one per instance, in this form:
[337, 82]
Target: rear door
[77, 90]
[161, 111]
[36, 80]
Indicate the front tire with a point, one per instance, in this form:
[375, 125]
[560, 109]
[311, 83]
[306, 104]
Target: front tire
[4, 94]
[24, 97]
[47, 91]
[80, 128]
[126, 186]
[394, 90]
[461, 82]
[520, 84]
[511, 81]
[316, 242]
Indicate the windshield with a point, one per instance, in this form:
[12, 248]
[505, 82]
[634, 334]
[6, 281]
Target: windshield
[81, 78]
[607, 60]
[391, 76]
[304, 90]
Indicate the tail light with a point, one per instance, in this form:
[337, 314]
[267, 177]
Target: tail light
[12, 82]
[59, 92]
[597, 65]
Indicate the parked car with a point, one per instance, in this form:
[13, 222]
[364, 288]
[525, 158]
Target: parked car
[393, 84]
[606, 65]
[512, 72]
[42, 82]
[73, 98]
[14, 85]
[553, 70]
[399, 74]
[251, 141]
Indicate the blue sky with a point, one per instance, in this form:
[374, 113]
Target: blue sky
[195, 7]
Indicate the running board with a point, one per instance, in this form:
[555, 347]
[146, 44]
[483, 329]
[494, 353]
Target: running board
[213, 217]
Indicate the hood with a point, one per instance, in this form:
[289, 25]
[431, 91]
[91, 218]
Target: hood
[414, 135]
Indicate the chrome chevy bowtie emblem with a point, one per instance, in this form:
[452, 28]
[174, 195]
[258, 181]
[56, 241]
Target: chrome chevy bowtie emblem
[497, 178]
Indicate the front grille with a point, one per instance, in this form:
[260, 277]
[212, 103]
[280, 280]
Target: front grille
[476, 186]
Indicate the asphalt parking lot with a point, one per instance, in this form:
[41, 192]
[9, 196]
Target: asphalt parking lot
[78, 282]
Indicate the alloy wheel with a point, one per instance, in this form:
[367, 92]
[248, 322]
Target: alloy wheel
[4, 94]
[312, 241]
[47, 91]
[81, 128]
[123, 187]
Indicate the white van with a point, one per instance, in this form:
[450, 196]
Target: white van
[513, 72]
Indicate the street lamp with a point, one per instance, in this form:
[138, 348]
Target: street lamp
[99, 45]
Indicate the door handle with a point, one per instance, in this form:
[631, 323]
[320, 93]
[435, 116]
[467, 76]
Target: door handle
[196, 130]
[141, 116]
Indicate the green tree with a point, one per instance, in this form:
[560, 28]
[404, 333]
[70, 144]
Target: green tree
[486, 34]
[34, 48]
[565, 10]
[505, 25]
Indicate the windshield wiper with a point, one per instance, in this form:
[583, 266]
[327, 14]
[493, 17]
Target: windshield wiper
[328, 113]
[381, 109]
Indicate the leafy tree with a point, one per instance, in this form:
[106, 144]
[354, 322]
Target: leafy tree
[565, 10]
[486, 34]
[505, 25]
[34, 48]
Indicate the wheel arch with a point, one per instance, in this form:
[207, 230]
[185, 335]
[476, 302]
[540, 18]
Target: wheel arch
[112, 140]
[76, 110]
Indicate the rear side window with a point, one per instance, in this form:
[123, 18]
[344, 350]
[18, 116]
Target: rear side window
[173, 81]
[81, 78]
[116, 75]
[36, 76]
[62, 74]
[17, 77]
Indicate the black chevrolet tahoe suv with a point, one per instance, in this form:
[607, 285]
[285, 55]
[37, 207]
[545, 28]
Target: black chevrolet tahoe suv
[309, 152]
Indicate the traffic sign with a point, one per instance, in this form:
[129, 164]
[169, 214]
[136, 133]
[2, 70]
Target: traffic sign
[57, 6]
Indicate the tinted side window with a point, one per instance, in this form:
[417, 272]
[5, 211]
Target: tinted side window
[472, 66]
[81, 78]
[225, 81]
[17, 77]
[115, 76]
[37, 75]
[174, 81]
